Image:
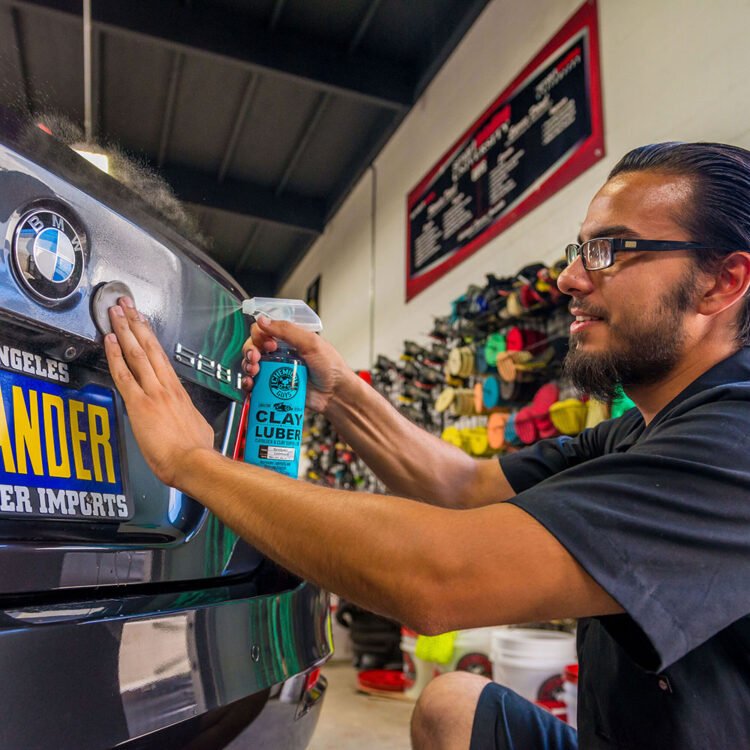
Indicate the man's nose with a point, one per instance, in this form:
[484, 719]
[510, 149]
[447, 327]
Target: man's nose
[575, 280]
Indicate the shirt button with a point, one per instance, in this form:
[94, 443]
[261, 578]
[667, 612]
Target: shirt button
[664, 684]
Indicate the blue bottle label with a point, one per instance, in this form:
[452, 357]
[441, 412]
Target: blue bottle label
[277, 411]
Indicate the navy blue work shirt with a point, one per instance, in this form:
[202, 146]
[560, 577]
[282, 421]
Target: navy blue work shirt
[659, 516]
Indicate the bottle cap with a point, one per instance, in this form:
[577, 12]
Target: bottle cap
[293, 310]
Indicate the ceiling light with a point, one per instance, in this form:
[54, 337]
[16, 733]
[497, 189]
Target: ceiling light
[97, 159]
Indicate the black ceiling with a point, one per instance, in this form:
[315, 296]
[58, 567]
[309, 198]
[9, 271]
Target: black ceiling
[261, 114]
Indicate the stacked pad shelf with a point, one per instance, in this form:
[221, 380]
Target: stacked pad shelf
[488, 378]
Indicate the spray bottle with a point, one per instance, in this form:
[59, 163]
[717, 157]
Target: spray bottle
[277, 403]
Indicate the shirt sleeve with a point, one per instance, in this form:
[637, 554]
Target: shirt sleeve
[664, 527]
[546, 458]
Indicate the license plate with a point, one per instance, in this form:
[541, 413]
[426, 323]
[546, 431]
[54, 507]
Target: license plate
[59, 452]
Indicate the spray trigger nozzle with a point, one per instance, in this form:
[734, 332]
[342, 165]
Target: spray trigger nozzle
[294, 310]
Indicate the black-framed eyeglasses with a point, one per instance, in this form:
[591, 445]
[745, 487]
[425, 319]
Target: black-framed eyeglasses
[600, 252]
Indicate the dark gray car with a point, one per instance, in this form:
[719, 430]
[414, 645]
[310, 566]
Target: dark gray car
[130, 616]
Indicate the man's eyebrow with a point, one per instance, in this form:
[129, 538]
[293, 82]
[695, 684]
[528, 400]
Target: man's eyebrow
[617, 230]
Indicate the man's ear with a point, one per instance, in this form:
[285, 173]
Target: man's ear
[730, 284]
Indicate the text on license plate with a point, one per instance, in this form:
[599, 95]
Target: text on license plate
[59, 453]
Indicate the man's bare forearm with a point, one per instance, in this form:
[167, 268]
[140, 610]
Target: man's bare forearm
[409, 460]
[355, 544]
[359, 545]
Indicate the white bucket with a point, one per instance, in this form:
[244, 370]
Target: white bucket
[342, 638]
[525, 660]
[417, 672]
[471, 652]
[570, 694]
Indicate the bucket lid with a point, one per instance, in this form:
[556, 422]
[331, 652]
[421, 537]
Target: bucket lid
[532, 642]
[475, 638]
[391, 680]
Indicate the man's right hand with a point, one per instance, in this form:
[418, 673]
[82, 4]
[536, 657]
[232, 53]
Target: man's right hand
[326, 368]
[410, 461]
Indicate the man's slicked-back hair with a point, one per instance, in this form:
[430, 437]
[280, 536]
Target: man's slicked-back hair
[720, 212]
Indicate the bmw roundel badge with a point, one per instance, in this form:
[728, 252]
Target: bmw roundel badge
[48, 255]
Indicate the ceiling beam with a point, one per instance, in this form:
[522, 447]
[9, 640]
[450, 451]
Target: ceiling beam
[324, 100]
[234, 38]
[320, 107]
[238, 197]
[248, 95]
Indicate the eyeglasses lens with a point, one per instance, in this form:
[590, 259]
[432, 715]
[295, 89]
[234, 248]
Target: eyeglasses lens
[597, 254]
[572, 251]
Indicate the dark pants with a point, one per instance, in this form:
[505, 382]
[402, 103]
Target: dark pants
[506, 721]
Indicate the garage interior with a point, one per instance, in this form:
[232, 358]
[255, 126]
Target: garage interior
[261, 116]
[300, 137]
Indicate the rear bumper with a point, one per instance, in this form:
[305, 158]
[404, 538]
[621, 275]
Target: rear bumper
[286, 721]
[102, 674]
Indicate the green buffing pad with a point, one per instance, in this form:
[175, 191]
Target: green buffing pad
[620, 403]
[494, 345]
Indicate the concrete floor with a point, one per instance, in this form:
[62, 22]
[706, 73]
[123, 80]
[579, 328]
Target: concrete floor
[351, 720]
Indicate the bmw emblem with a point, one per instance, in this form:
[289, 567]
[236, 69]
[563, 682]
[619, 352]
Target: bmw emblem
[48, 255]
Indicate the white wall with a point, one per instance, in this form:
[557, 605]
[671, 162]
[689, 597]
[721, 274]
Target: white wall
[671, 70]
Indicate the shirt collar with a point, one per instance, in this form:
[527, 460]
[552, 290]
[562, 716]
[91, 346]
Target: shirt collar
[733, 369]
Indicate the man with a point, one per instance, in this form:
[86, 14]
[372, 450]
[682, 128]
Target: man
[640, 526]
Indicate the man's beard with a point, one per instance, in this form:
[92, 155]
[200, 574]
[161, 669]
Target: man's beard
[642, 352]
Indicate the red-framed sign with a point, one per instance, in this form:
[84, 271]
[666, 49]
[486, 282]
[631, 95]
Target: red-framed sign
[541, 132]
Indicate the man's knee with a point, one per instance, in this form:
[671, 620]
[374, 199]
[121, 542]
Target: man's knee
[444, 714]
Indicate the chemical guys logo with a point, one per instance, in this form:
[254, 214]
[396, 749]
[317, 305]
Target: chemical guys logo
[284, 383]
[59, 454]
[48, 255]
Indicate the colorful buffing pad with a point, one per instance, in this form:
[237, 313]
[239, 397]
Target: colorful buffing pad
[445, 399]
[540, 406]
[491, 393]
[496, 427]
[526, 426]
[494, 345]
[569, 416]
[511, 436]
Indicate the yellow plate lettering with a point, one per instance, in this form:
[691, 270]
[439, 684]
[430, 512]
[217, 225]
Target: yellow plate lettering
[101, 448]
[53, 410]
[78, 437]
[27, 432]
[6, 449]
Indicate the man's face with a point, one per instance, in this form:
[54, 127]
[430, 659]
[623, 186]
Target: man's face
[633, 325]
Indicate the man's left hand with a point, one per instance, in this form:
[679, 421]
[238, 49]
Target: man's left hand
[165, 423]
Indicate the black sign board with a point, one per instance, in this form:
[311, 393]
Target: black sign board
[539, 134]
